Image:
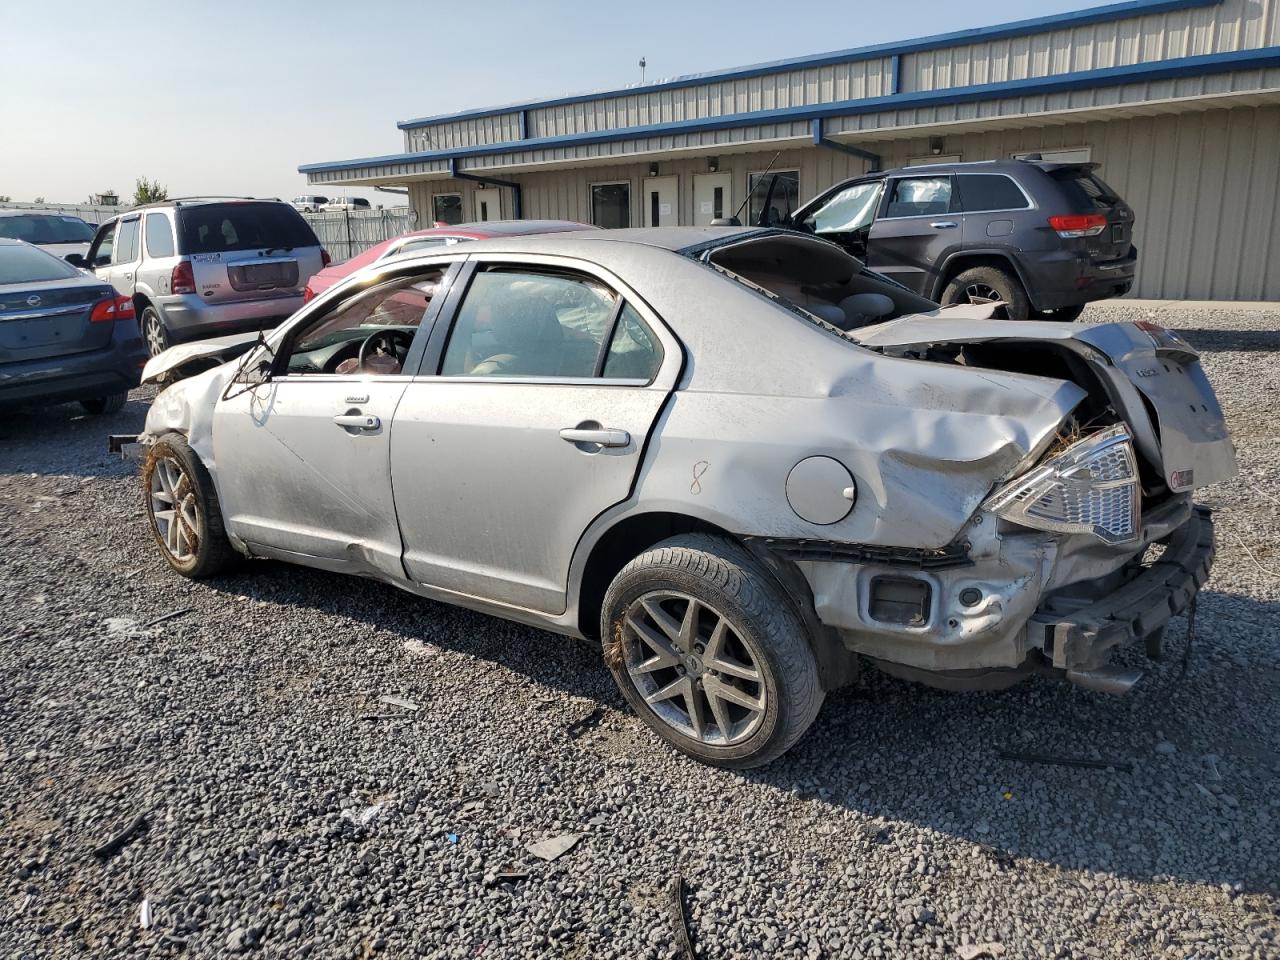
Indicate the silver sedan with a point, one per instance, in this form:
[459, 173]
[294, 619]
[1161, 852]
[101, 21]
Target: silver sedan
[745, 464]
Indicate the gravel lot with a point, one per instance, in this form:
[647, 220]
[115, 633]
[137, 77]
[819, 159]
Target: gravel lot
[289, 813]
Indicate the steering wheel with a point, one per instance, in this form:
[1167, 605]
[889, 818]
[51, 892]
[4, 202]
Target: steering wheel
[387, 338]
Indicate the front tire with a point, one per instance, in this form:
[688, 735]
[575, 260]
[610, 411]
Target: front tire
[183, 510]
[987, 285]
[710, 652]
[154, 332]
[111, 403]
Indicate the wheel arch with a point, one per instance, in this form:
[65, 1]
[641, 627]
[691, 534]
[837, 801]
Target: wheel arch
[965, 259]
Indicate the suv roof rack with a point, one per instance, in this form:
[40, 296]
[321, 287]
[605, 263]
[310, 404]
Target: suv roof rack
[196, 199]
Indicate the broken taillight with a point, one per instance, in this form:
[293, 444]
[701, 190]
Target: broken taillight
[1090, 487]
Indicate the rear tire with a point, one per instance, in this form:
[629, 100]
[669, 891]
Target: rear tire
[183, 510]
[733, 685]
[1061, 314]
[153, 331]
[986, 285]
[111, 403]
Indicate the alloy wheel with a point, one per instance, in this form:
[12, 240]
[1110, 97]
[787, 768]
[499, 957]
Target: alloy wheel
[981, 293]
[153, 330]
[693, 668]
[174, 510]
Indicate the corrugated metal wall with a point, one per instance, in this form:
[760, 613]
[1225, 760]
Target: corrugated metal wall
[1205, 185]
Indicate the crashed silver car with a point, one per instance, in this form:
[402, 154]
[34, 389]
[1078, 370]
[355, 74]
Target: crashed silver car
[743, 462]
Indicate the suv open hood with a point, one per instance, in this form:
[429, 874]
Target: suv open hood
[1152, 378]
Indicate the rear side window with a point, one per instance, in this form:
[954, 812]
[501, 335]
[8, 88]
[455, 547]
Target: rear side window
[221, 227]
[126, 242]
[1084, 190]
[159, 235]
[988, 191]
[634, 352]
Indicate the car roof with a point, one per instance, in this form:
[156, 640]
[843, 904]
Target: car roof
[37, 213]
[486, 229]
[676, 239]
[1013, 167]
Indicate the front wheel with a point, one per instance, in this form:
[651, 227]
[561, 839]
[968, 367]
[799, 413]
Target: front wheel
[709, 651]
[982, 285]
[183, 510]
[153, 331]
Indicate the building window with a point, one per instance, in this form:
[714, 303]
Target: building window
[611, 204]
[786, 195]
[446, 208]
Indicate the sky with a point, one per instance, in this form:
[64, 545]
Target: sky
[230, 96]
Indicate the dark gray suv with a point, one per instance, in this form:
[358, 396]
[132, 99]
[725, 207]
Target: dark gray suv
[1044, 238]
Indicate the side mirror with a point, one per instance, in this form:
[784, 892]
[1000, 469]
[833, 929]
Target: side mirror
[76, 260]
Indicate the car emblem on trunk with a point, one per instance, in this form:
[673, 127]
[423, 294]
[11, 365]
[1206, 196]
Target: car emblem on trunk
[33, 301]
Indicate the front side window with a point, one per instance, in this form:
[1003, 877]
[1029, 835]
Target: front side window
[989, 191]
[368, 333]
[786, 195]
[446, 208]
[126, 242]
[518, 323]
[100, 252]
[611, 205]
[850, 210]
[159, 235]
[919, 197]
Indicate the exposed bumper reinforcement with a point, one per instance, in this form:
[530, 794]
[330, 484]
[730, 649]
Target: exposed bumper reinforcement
[1081, 642]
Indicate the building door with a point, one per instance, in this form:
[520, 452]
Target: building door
[661, 202]
[712, 197]
[488, 203]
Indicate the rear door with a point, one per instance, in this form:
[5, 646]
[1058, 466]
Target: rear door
[126, 255]
[919, 226]
[529, 426]
[46, 307]
[247, 250]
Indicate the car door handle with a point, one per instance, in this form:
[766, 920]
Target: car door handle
[603, 436]
[943, 224]
[359, 421]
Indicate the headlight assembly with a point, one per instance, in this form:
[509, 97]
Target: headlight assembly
[1091, 487]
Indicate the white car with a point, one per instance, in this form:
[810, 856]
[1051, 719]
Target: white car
[346, 203]
[309, 203]
[55, 233]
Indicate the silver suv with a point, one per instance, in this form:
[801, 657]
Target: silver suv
[199, 268]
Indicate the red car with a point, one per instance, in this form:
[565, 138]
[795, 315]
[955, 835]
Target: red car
[434, 237]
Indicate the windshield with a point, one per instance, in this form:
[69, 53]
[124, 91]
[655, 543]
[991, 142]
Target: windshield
[19, 264]
[220, 227]
[45, 228]
[853, 208]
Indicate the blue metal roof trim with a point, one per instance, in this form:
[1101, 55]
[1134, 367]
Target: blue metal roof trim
[1076, 18]
[1259, 57]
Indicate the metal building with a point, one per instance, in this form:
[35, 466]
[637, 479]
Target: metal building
[1178, 100]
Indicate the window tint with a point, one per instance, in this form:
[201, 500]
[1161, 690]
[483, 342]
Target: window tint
[447, 208]
[42, 228]
[634, 352]
[1085, 191]
[126, 242]
[19, 264]
[516, 323]
[611, 204]
[919, 196]
[786, 195]
[852, 209]
[159, 236]
[988, 191]
[386, 316]
[219, 227]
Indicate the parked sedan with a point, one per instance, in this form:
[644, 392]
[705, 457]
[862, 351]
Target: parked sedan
[56, 233]
[654, 438]
[424, 240]
[64, 335]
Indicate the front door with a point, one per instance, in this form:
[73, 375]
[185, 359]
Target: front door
[918, 227]
[488, 203]
[712, 197]
[661, 204]
[550, 382]
[303, 457]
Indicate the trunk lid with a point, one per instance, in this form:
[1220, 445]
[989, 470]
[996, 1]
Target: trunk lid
[51, 318]
[1152, 378]
[1086, 192]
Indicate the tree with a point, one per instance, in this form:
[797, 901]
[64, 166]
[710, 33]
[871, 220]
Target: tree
[38, 200]
[5, 198]
[148, 191]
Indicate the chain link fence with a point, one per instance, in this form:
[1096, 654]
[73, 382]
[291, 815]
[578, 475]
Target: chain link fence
[345, 233]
